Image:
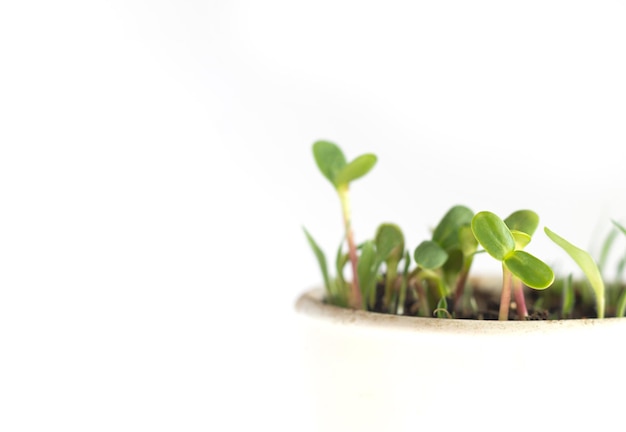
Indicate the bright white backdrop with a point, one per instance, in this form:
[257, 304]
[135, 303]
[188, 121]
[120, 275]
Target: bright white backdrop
[155, 172]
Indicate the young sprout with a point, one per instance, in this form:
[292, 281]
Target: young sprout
[390, 250]
[496, 238]
[586, 264]
[523, 224]
[339, 172]
[454, 235]
[447, 258]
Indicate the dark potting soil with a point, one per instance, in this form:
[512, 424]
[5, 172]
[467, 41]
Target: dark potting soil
[479, 306]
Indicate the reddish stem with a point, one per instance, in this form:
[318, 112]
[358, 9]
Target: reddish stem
[356, 300]
[518, 290]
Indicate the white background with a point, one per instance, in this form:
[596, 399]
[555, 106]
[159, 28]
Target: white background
[156, 170]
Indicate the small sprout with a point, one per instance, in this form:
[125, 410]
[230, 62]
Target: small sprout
[390, 250]
[569, 298]
[451, 251]
[586, 264]
[339, 172]
[367, 269]
[496, 238]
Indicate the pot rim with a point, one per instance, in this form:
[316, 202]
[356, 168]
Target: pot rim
[311, 304]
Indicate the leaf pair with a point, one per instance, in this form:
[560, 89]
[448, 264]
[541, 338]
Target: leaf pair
[504, 240]
[333, 164]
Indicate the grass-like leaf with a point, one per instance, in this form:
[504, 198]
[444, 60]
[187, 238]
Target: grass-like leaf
[321, 259]
[367, 269]
[586, 264]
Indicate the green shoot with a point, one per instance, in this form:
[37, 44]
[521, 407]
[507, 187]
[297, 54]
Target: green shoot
[333, 164]
[496, 238]
[390, 250]
[586, 263]
[523, 224]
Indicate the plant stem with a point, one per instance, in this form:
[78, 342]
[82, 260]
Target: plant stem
[520, 301]
[390, 279]
[355, 299]
[505, 298]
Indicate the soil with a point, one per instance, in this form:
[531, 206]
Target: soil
[486, 307]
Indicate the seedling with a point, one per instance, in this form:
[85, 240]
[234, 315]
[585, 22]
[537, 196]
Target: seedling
[586, 264]
[333, 164]
[501, 243]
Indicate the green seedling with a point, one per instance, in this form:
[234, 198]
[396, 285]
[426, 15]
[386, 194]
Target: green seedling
[523, 224]
[390, 251]
[586, 263]
[501, 243]
[446, 259]
[340, 173]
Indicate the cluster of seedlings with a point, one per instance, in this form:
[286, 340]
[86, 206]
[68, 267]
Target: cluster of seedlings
[433, 278]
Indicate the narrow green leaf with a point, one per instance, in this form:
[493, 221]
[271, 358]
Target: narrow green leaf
[442, 309]
[340, 263]
[569, 297]
[446, 233]
[586, 264]
[321, 259]
[366, 269]
[620, 226]
[606, 248]
[529, 269]
[330, 159]
[355, 169]
[493, 234]
[525, 221]
[430, 255]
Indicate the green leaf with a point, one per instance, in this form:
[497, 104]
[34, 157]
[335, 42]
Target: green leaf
[586, 264]
[446, 233]
[467, 241]
[569, 296]
[521, 239]
[389, 242]
[529, 269]
[430, 255]
[366, 269]
[321, 259]
[355, 169]
[525, 221]
[340, 263]
[620, 226]
[330, 159]
[493, 235]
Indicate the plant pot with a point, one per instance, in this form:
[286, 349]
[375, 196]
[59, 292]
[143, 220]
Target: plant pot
[374, 372]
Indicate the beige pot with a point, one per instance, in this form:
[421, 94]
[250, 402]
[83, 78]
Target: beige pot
[375, 372]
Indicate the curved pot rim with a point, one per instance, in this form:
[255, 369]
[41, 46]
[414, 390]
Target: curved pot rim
[311, 304]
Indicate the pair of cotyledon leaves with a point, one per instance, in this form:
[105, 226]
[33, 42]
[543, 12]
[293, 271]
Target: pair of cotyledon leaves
[333, 164]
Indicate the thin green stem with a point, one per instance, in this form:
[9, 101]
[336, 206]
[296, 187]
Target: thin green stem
[505, 298]
[356, 301]
[390, 279]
